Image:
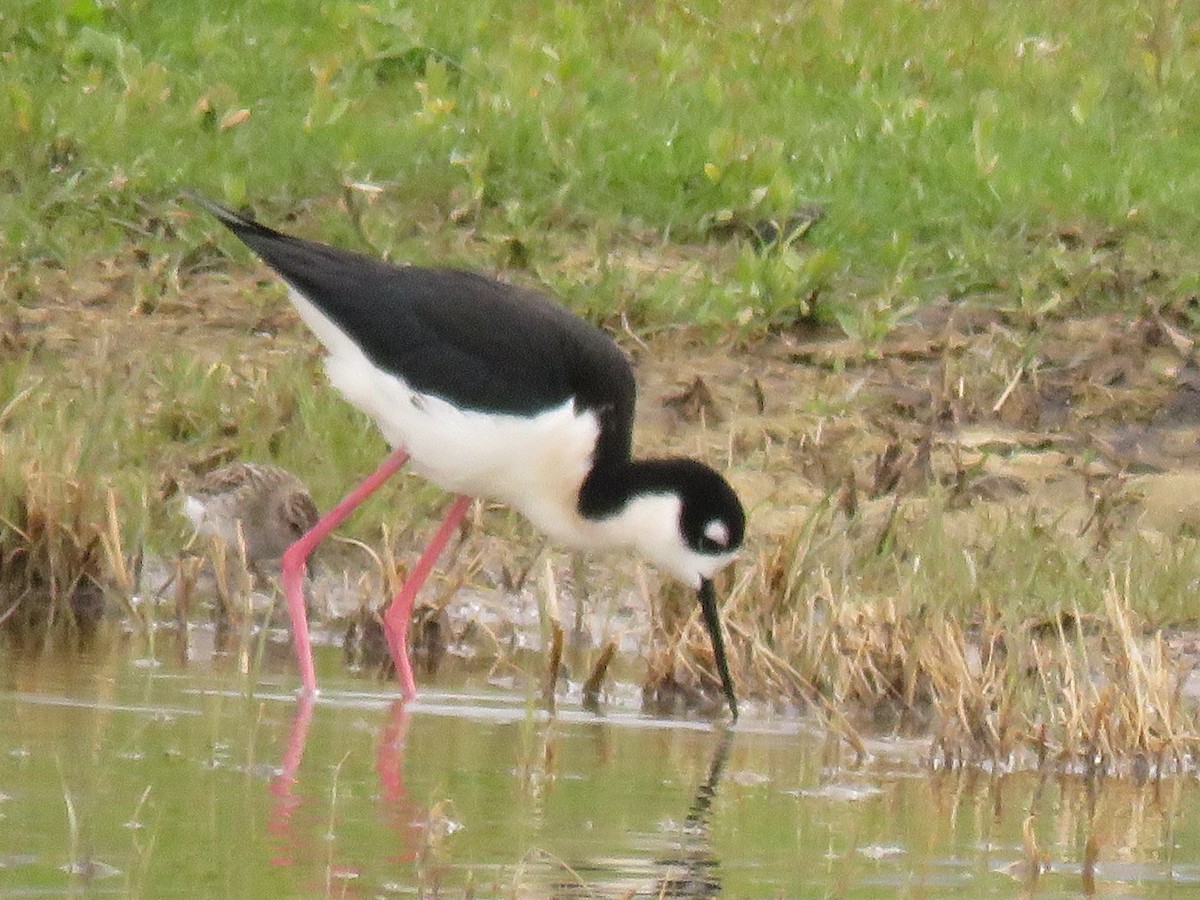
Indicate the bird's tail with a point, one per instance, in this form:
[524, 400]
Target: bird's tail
[237, 222]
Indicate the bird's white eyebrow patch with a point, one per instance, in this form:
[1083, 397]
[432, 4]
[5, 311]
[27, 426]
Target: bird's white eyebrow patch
[717, 532]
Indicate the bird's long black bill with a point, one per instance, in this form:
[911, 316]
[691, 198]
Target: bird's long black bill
[708, 603]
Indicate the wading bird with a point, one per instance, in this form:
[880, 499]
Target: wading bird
[263, 507]
[491, 390]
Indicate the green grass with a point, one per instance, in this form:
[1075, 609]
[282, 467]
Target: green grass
[944, 140]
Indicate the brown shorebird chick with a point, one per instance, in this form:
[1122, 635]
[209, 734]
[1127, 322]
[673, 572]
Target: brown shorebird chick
[272, 505]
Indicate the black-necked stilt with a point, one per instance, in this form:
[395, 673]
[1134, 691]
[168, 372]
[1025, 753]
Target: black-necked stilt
[492, 390]
[263, 507]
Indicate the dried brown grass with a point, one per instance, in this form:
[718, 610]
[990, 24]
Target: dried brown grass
[1091, 694]
[812, 626]
[62, 554]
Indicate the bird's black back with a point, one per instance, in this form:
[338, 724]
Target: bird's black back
[479, 343]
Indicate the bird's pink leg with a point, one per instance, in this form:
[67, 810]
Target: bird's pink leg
[296, 557]
[396, 619]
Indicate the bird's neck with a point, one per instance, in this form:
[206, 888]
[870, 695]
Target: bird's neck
[639, 504]
[611, 484]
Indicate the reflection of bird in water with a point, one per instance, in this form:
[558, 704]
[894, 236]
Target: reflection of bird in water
[700, 875]
[687, 870]
[271, 505]
[283, 788]
[299, 834]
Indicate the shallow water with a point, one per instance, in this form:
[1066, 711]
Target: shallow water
[142, 777]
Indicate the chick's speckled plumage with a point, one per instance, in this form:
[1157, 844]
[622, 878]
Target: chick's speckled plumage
[272, 505]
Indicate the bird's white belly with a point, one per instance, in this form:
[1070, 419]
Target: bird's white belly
[504, 457]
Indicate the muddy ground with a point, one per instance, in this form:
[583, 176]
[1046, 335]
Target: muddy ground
[1090, 419]
[994, 404]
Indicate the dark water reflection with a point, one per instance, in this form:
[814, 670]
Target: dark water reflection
[137, 779]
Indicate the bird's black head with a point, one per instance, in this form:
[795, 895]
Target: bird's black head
[679, 513]
[711, 520]
[682, 516]
[713, 525]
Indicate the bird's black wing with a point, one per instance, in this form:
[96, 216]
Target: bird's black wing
[479, 343]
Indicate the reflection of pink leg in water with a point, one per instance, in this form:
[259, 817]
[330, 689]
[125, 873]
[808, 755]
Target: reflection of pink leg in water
[389, 764]
[404, 818]
[280, 822]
